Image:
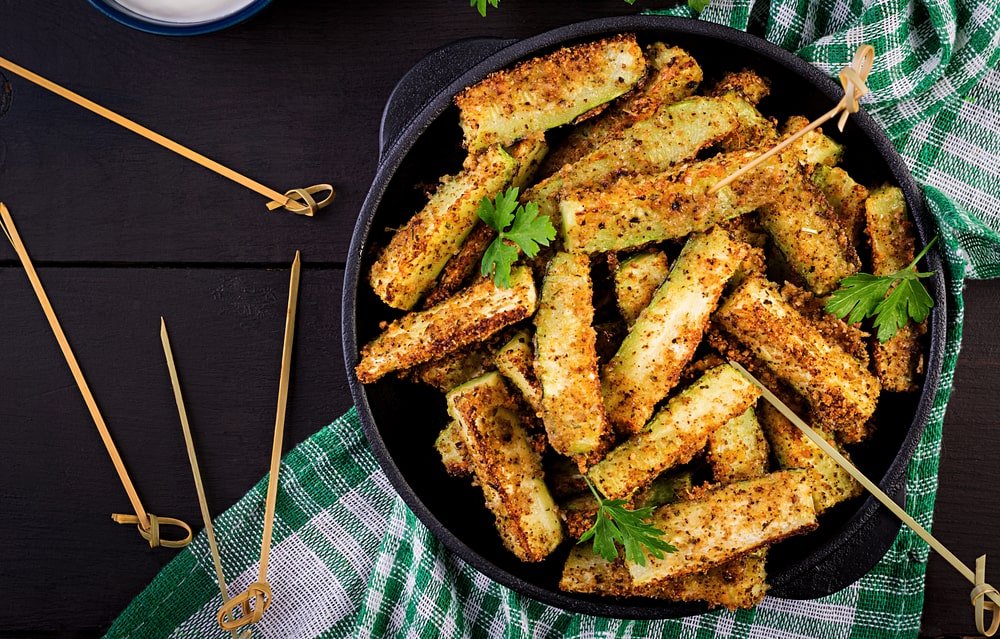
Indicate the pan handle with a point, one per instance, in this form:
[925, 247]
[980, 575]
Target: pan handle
[427, 78]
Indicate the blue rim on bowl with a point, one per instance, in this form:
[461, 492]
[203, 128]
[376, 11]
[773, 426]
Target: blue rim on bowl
[130, 18]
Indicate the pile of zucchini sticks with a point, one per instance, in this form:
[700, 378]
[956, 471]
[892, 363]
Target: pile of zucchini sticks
[602, 361]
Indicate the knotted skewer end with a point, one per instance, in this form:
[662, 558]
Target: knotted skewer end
[979, 600]
[152, 533]
[250, 606]
[302, 202]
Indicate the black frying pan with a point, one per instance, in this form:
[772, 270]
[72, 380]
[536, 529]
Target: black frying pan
[420, 141]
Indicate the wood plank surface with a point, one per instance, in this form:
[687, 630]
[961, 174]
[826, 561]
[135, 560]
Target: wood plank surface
[129, 232]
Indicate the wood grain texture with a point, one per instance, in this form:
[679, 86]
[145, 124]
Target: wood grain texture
[291, 98]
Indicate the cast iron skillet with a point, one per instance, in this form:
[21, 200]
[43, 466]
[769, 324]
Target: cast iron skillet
[420, 141]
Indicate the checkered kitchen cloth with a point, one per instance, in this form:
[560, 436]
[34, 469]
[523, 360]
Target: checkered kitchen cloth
[350, 560]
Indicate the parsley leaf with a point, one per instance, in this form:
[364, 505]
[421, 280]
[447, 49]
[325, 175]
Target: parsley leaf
[519, 228]
[616, 526]
[892, 300]
[480, 5]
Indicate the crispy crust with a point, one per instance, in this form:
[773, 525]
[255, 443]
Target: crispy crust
[841, 392]
[634, 211]
[665, 335]
[506, 466]
[462, 265]
[472, 315]
[450, 445]
[515, 361]
[636, 281]
[676, 433]
[566, 360]
[548, 91]
[737, 450]
[673, 75]
[456, 368]
[846, 196]
[726, 523]
[851, 338]
[814, 147]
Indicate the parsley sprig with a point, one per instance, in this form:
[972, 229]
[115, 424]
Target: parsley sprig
[616, 525]
[519, 228]
[892, 300]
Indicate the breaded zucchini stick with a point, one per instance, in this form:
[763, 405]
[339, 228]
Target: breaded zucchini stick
[830, 483]
[548, 91]
[472, 315]
[676, 132]
[408, 267]
[450, 445]
[737, 450]
[814, 147]
[808, 234]
[743, 90]
[840, 390]
[672, 76]
[455, 368]
[726, 523]
[636, 281]
[528, 154]
[846, 196]
[738, 583]
[637, 210]
[566, 360]
[506, 466]
[899, 361]
[676, 434]
[516, 361]
[665, 335]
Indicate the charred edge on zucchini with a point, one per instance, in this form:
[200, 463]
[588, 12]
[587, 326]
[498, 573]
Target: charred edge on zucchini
[841, 392]
[676, 433]
[548, 91]
[506, 466]
[566, 360]
[728, 522]
[408, 267]
[665, 335]
[472, 315]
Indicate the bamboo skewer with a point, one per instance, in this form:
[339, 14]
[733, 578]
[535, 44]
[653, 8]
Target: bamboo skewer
[257, 598]
[299, 201]
[196, 471]
[981, 589]
[148, 524]
[852, 78]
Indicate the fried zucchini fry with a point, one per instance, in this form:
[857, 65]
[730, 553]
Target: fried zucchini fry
[667, 332]
[472, 315]
[676, 132]
[548, 91]
[408, 267]
[743, 90]
[580, 511]
[636, 281]
[737, 450]
[637, 210]
[840, 390]
[808, 234]
[846, 196]
[528, 154]
[506, 466]
[726, 523]
[456, 368]
[673, 75]
[899, 361]
[515, 361]
[830, 483]
[451, 447]
[814, 147]
[677, 432]
[566, 359]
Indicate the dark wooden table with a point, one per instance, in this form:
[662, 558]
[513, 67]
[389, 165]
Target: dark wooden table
[123, 232]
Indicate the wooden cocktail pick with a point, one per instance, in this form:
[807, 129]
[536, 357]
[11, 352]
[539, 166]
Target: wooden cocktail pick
[147, 523]
[852, 79]
[299, 201]
[252, 603]
[981, 589]
[199, 486]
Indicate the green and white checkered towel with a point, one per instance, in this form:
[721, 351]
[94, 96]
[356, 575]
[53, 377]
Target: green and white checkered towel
[350, 560]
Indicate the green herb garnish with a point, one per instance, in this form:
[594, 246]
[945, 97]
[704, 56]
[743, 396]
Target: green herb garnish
[616, 525]
[519, 228]
[892, 300]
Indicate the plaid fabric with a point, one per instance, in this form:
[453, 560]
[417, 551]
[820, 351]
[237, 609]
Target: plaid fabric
[350, 560]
